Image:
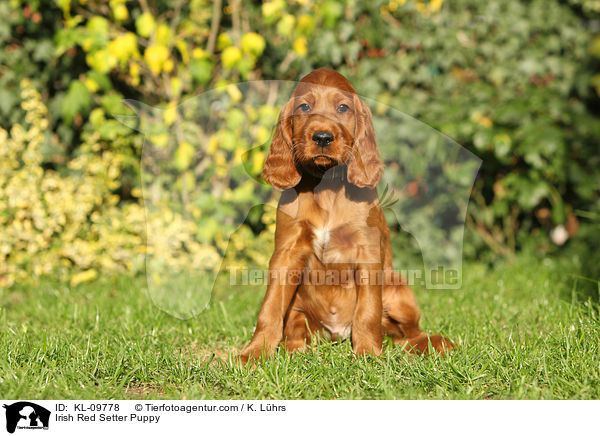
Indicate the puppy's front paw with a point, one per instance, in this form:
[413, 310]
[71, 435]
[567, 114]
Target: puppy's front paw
[248, 355]
[253, 353]
[441, 344]
[362, 348]
[420, 344]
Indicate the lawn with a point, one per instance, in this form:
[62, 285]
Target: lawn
[527, 329]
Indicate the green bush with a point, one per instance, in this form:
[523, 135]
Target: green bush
[515, 82]
[70, 223]
[511, 81]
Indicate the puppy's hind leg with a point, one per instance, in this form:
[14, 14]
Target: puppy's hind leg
[401, 316]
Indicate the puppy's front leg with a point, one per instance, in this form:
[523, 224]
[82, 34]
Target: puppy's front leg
[367, 331]
[285, 270]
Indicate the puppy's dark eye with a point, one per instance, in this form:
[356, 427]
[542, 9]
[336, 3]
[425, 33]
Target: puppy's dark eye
[343, 108]
[304, 107]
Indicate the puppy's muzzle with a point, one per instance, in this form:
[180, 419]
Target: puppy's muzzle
[323, 138]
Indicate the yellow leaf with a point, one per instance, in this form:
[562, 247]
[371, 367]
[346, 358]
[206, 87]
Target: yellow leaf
[145, 25]
[220, 158]
[156, 56]
[87, 43]
[300, 46]
[253, 43]
[170, 114]
[73, 22]
[175, 86]
[198, 53]
[306, 23]
[168, 65]
[231, 56]
[124, 46]
[136, 192]
[502, 138]
[134, 72]
[213, 143]
[101, 60]
[258, 159]
[435, 5]
[120, 12]
[159, 140]
[84, 276]
[188, 180]
[272, 8]
[223, 41]
[183, 49]
[482, 120]
[183, 156]
[98, 25]
[234, 93]
[237, 156]
[286, 25]
[486, 122]
[91, 85]
[262, 134]
[65, 5]
[221, 85]
[163, 34]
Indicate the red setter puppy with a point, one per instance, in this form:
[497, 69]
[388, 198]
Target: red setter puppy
[331, 271]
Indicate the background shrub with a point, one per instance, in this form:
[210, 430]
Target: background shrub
[515, 82]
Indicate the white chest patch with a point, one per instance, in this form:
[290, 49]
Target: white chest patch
[320, 241]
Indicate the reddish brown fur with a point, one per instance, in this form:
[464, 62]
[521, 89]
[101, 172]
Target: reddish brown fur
[331, 222]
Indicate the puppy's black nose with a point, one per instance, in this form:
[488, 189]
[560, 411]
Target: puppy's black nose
[323, 138]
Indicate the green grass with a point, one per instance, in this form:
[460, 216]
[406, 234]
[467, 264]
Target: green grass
[526, 328]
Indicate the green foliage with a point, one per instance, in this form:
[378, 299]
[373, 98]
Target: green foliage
[69, 223]
[515, 82]
[512, 86]
[77, 101]
[589, 7]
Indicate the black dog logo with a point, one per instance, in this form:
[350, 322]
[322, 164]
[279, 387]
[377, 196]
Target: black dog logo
[26, 415]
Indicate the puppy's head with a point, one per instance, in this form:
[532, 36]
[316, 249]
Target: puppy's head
[323, 125]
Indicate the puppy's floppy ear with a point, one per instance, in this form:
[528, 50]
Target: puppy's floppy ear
[365, 167]
[280, 169]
